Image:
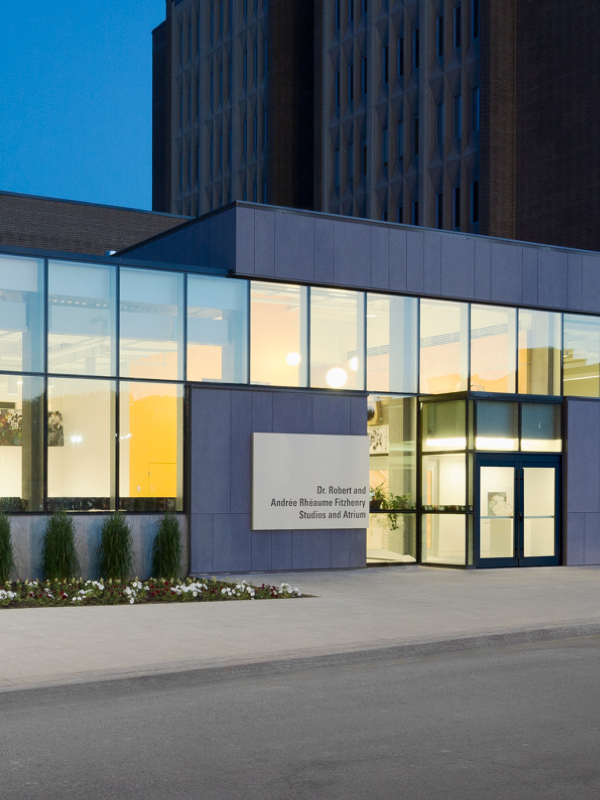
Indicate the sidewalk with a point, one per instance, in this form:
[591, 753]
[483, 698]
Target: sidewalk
[352, 611]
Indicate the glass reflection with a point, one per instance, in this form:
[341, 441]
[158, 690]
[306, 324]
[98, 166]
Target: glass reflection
[392, 538]
[151, 324]
[21, 443]
[81, 318]
[540, 424]
[444, 482]
[217, 323]
[278, 337]
[581, 361]
[539, 352]
[336, 339]
[493, 349]
[497, 505]
[444, 425]
[21, 314]
[391, 343]
[497, 426]
[444, 347]
[151, 446]
[81, 451]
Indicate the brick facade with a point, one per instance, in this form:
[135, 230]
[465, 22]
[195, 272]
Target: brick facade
[47, 224]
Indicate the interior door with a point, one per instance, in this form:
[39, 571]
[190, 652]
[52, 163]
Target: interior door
[517, 511]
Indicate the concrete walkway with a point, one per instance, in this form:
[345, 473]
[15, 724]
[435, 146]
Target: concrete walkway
[352, 611]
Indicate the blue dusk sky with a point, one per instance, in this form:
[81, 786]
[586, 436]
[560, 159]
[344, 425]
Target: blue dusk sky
[76, 99]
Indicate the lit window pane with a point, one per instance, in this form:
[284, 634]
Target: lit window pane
[391, 343]
[497, 426]
[336, 339]
[444, 426]
[539, 352]
[151, 446]
[540, 423]
[278, 334]
[392, 538]
[493, 349]
[581, 376]
[151, 324]
[21, 443]
[81, 318]
[392, 432]
[444, 482]
[21, 314]
[444, 539]
[81, 444]
[444, 347]
[217, 331]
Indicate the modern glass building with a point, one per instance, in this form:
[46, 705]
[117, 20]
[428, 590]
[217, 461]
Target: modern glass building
[136, 381]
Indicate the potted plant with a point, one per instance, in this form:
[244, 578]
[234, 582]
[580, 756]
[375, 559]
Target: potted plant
[377, 497]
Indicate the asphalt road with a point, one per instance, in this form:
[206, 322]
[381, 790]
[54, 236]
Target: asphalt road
[506, 722]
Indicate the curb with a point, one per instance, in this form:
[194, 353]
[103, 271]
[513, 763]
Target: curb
[86, 690]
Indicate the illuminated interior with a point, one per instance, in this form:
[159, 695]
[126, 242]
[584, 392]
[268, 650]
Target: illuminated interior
[444, 347]
[278, 334]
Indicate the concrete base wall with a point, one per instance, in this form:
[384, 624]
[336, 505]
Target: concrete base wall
[28, 534]
[222, 423]
[582, 482]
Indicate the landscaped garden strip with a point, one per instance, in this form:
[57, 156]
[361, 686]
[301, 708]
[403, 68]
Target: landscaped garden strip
[77, 592]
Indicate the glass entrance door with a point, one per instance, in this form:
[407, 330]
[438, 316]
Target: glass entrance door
[517, 511]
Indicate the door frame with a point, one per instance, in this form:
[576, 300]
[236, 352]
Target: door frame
[518, 461]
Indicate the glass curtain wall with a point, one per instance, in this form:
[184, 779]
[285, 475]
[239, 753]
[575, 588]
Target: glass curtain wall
[22, 314]
[539, 352]
[392, 431]
[581, 356]
[391, 343]
[336, 339]
[278, 334]
[444, 347]
[493, 349]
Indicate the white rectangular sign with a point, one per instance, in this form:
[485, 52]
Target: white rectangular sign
[307, 481]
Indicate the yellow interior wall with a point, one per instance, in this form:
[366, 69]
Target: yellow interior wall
[153, 446]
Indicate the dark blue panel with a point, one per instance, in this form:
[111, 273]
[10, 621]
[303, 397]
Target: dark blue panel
[324, 251]
[507, 273]
[380, 241]
[311, 549]
[264, 243]
[201, 543]
[553, 284]
[210, 451]
[458, 267]
[232, 543]
[340, 549]
[331, 414]
[591, 284]
[351, 254]
[294, 247]
[583, 456]
[358, 548]
[262, 412]
[575, 271]
[397, 260]
[281, 550]
[530, 276]
[223, 239]
[241, 452]
[292, 412]
[431, 263]
[358, 416]
[244, 240]
[414, 262]
[592, 539]
[483, 269]
[261, 551]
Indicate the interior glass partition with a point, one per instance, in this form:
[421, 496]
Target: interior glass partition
[392, 428]
[22, 314]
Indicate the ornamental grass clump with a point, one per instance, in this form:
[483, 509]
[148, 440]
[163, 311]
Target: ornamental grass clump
[115, 554]
[7, 562]
[167, 550]
[59, 551]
